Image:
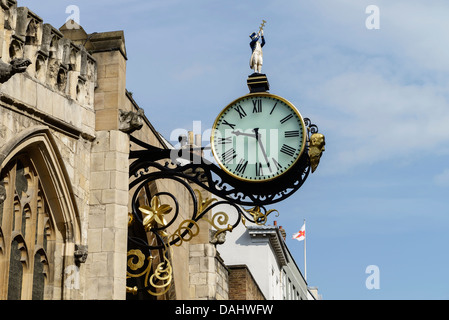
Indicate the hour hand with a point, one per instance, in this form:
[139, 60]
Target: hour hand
[238, 133]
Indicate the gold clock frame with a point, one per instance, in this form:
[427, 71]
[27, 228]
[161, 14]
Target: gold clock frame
[251, 95]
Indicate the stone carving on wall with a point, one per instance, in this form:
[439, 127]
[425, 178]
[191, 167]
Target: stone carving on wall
[130, 121]
[219, 239]
[15, 49]
[80, 253]
[15, 66]
[61, 79]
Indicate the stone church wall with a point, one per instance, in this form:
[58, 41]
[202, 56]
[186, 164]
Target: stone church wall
[73, 91]
[57, 92]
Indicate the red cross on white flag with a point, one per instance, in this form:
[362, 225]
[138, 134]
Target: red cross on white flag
[301, 234]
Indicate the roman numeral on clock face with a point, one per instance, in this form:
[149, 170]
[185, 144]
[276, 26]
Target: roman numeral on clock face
[259, 171]
[241, 167]
[224, 140]
[288, 150]
[291, 134]
[257, 106]
[274, 107]
[229, 124]
[228, 155]
[278, 166]
[240, 110]
[284, 120]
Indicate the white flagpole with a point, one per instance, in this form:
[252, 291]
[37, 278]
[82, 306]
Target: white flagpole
[305, 261]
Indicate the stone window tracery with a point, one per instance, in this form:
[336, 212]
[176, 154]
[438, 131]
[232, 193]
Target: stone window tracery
[26, 232]
[31, 33]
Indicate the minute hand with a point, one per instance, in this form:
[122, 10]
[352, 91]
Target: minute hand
[258, 135]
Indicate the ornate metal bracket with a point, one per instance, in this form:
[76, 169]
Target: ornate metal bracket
[158, 213]
[210, 177]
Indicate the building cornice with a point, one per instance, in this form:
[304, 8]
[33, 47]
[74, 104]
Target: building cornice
[24, 109]
[273, 236]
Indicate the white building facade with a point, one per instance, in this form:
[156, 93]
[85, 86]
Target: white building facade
[263, 250]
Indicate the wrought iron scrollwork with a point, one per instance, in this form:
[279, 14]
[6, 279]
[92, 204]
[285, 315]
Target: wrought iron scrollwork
[313, 128]
[210, 177]
[160, 214]
[152, 217]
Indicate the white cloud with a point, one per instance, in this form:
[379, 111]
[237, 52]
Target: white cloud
[375, 118]
[419, 29]
[379, 95]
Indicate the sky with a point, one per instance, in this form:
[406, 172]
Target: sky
[376, 84]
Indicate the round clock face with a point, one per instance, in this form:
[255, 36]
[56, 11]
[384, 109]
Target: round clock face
[258, 137]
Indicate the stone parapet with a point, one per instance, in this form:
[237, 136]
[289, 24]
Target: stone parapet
[208, 276]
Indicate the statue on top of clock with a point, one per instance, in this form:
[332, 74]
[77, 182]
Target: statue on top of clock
[256, 60]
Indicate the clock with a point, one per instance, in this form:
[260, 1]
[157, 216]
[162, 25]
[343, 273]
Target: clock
[258, 137]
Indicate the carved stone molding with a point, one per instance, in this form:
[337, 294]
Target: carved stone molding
[81, 253]
[130, 121]
[15, 66]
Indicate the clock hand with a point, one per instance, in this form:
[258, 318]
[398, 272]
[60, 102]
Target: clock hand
[238, 133]
[258, 135]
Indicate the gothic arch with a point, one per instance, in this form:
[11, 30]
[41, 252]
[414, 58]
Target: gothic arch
[22, 247]
[45, 209]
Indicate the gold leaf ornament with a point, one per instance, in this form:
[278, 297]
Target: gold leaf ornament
[317, 147]
[203, 203]
[153, 215]
[259, 217]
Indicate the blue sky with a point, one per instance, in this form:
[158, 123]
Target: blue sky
[381, 98]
